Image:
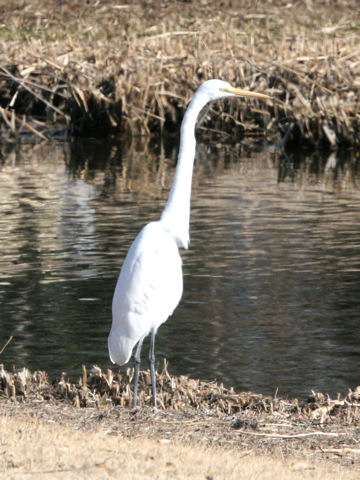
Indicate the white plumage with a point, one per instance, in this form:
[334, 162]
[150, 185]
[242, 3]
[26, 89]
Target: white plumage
[148, 290]
[150, 283]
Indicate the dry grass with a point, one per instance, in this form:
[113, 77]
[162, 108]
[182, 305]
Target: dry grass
[31, 448]
[132, 67]
[203, 416]
[101, 390]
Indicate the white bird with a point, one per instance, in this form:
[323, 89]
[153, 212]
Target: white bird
[150, 283]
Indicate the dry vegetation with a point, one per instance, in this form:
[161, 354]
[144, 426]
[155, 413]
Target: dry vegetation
[288, 434]
[63, 452]
[102, 67]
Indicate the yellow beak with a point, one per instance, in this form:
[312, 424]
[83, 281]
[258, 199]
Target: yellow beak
[245, 93]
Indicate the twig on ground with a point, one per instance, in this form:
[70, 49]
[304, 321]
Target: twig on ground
[298, 435]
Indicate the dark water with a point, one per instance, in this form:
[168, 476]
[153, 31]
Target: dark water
[271, 281]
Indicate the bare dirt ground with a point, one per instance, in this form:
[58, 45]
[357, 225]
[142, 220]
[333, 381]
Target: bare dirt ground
[200, 430]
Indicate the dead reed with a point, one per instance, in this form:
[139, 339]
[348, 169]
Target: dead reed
[191, 411]
[100, 68]
[101, 390]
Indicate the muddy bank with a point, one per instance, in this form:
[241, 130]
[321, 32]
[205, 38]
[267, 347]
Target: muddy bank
[98, 69]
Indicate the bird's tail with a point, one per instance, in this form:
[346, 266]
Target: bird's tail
[120, 347]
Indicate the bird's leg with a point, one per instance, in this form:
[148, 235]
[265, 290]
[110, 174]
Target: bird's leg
[152, 365]
[137, 368]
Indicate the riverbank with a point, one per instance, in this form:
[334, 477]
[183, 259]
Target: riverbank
[89, 426]
[98, 69]
[45, 449]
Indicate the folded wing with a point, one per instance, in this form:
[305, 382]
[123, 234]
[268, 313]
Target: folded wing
[148, 290]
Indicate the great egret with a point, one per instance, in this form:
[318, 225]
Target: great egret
[150, 283]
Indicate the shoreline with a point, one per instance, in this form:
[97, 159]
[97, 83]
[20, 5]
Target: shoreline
[98, 69]
[190, 412]
[47, 449]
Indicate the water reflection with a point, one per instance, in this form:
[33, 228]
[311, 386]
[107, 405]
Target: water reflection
[272, 277]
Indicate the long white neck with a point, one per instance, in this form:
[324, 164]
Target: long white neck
[176, 215]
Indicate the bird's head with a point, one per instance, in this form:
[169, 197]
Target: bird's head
[214, 89]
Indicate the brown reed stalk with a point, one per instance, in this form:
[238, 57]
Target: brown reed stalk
[131, 70]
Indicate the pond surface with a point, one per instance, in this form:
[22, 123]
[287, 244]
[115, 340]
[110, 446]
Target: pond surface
[271, 281]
